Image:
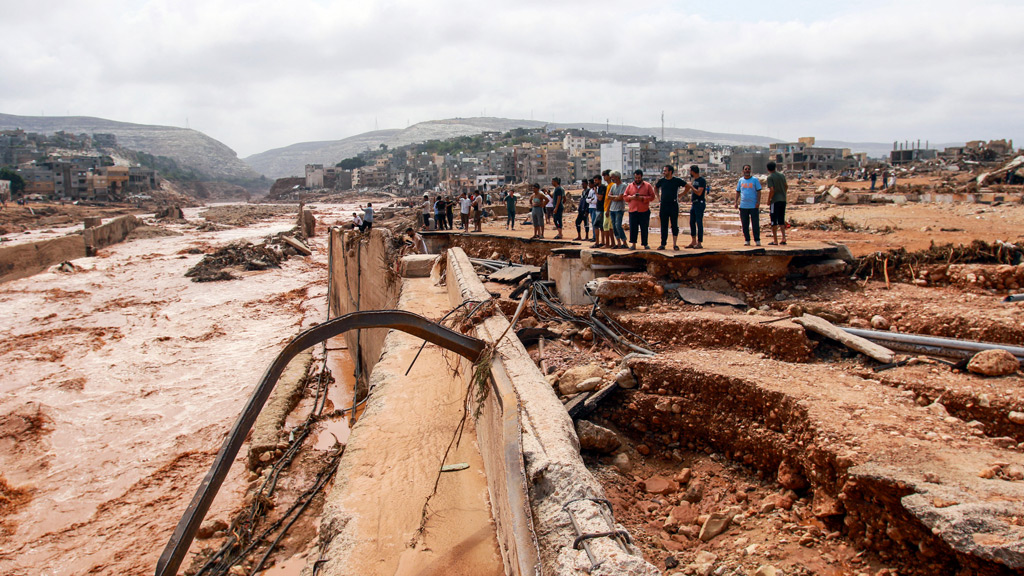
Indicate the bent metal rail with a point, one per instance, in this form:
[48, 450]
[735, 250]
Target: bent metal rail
[184, 533]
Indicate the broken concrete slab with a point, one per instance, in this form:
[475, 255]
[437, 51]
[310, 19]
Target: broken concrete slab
[513, 274]
[701, 297]
[862, 345]
[268, 431]
[299, 246]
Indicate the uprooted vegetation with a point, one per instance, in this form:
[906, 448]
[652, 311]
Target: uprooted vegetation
[934, 264]
[245, 214]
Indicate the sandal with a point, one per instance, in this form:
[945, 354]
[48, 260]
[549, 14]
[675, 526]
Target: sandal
[783, 243]
[773, 244]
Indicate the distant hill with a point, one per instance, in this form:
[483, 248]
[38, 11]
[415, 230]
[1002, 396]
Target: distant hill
[189, 148]
[291, 160]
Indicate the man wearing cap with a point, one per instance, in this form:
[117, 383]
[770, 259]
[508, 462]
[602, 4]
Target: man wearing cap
[639, 195]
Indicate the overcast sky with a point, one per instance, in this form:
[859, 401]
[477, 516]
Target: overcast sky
[263, 74]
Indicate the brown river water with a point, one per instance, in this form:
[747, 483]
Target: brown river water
[119, 383]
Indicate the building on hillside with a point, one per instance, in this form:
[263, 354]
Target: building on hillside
[574, 145]
[5, 190]
[369, 177]
[314, 176]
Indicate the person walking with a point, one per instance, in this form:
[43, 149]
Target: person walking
[558, 198]
[777, 188]
[616, 208]
[668, 212]
[449, 211]
[603, 182]
[478, 211]
[510, 209]
[698, 188]
[748, 198]
[639, 195]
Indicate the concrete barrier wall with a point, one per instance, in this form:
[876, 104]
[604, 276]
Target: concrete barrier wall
[112, 232]
[362, 278]
[546, 465]
[24, 260]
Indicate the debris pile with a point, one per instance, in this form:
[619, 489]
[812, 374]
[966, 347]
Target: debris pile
[244, 255]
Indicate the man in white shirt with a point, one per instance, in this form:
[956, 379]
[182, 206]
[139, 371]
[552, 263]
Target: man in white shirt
[464, 205]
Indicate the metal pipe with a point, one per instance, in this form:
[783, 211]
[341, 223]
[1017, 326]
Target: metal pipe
[414, 324]
[1014, 298]
[967, 346]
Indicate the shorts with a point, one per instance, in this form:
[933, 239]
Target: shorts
[777, 213]
[537, 216]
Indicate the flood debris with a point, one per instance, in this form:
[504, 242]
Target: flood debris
[241, 255]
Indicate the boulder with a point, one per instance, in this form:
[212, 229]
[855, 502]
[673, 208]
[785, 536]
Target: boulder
[572, 377]
[681, 515]
[994, 362]
[596, 438]
[625, 379]
[589, 384]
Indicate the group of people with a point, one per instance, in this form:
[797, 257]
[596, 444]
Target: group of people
[605, 201]
[471, 205]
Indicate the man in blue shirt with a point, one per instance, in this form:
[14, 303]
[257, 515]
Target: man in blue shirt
[748, 198]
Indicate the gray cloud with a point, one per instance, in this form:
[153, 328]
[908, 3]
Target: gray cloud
[266, 74]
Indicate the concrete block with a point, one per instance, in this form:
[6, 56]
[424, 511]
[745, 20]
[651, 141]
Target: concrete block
[417, 265]
[570, 276]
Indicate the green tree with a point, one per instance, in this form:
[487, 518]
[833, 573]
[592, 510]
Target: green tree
[17, 182]
[351, 163]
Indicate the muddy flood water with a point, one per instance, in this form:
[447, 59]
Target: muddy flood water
[119, 383]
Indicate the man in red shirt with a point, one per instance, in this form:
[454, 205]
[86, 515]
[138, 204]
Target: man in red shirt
[639, 195]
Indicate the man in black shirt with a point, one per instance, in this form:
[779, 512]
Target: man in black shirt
[698, 201]
[558, 196]
[668, 189]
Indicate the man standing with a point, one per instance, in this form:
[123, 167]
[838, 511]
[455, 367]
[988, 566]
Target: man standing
[583, 213]
[368, 217]
[464, 205]
[777, 188]
[668, 187]
[748, 198]
[698, 189]
[874, 179]
[425, 210]
[510, 209]
[478, 211]
[558, 197]
[639, 194]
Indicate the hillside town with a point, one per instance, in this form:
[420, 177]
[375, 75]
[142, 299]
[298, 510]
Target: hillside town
[70, 168]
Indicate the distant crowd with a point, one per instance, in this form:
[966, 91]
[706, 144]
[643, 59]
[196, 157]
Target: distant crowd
[604, 203]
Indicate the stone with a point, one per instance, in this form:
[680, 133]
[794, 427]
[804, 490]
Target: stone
[824, 268]
[767, 570]
[625, 378]
[589, 384]
[622, 463]
[530, 322]
[1013, 472]
[791, 476]
[994, 362]
[683, 477]
[880, 322]
[596, 438]
[567, 383]
[1016, 417]
[210, 527]
[671, 562]
[587, 334]
[714, 525]
[785, 501]
[682, 515]
[859, 323]
[795, 310]
[694, 492]
[704, 563]
[659, 485]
